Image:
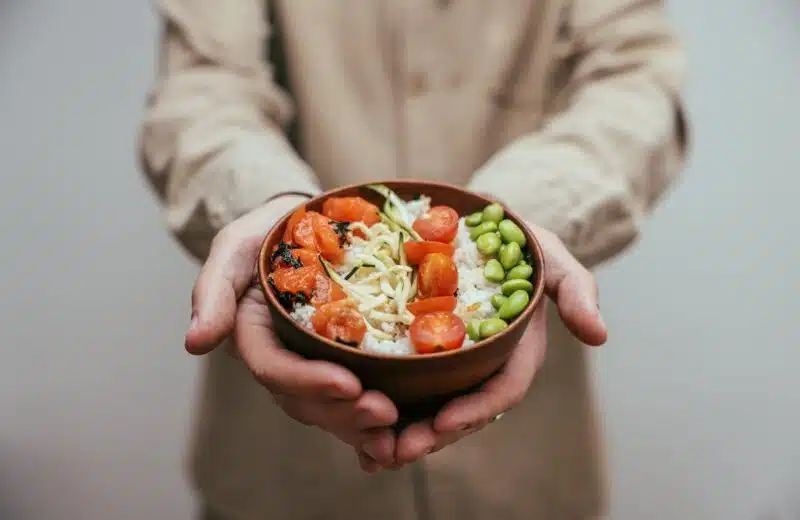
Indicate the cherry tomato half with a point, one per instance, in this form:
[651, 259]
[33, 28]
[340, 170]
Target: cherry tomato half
[437, 304]
[436, 332]
[340, 321]
[416, 251]
[440, 224]
[438, 276]
[351, 209]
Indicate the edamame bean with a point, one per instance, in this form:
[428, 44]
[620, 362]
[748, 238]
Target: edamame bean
[498, 300]
[488, 243]
[512, 286]
[514, 305]
[483, 227]
[511, 232]
[491, 327]
[474, 330]
[493, 213]
[474, 219]
[511, 256]
[494, 271]
[520, 272]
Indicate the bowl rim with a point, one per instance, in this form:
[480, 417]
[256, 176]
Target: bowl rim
[532, 242]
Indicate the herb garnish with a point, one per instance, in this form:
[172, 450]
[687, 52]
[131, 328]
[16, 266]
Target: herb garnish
[284, 252]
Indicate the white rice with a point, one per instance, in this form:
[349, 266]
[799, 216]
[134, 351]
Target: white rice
[474, 290]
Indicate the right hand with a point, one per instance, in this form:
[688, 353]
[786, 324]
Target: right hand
[228, 300]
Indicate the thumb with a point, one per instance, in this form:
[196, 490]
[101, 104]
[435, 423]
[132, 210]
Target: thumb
[228, 272]
[573, 288]
[223, 279]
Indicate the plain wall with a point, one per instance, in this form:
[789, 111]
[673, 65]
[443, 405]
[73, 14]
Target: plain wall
[698, 384]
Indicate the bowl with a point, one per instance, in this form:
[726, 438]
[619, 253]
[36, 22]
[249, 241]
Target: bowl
[421, 383]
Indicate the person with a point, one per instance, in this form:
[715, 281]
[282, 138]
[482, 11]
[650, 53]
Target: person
[568, 111]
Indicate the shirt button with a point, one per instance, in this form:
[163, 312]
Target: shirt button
[444, 4]
[418, 84]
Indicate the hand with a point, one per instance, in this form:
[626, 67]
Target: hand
[227, 300]
[574, 291]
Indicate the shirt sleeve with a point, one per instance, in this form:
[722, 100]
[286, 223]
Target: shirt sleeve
[596, 168]
[212, 141]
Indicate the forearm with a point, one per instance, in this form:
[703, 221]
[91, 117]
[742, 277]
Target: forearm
[598, 167]
[212, 142]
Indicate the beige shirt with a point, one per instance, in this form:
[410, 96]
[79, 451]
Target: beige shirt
[567, 110]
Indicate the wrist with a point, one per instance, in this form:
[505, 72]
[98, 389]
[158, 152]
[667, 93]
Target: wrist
[283, 203]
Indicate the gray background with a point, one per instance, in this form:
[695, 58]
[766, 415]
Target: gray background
[699, 383]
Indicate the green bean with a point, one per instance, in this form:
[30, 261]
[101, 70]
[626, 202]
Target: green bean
[511, 256]
[488, 243]
[474, 219]
[520, 272]
[514, 305]
[498, 300]
[493, 271]
[493, 213]
[491, 327]
[511, 232]
[474, 330]
[480, 229]
[512, 286]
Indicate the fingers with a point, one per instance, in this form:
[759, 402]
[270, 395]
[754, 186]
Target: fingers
[224, 277]
[416, 441]
[374, 410]
[503, 391]
[573, 288]
[284, 372]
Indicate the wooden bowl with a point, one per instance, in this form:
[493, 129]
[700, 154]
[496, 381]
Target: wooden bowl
[418, 384]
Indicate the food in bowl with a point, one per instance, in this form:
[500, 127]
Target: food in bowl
[403, 279]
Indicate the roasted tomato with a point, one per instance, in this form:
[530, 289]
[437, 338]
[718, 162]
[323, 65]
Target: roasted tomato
[440, 224]
[438, 276]
[437, 331]
[416, 251]
[351, 209]
[340, 321]
[437, 304]
[288, 234]
[296, 280]
[326, 291]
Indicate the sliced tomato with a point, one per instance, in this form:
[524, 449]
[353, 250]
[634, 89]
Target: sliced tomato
[326, 238]
[439, 224]
[300, 280]
[326, 291]
[340, 321]
[416, 251]
[438, 276]
[351, 209]
[437, 304]
[288, 234]
[436, 332]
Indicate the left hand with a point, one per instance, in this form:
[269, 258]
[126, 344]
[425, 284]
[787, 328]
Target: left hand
[573, 289]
